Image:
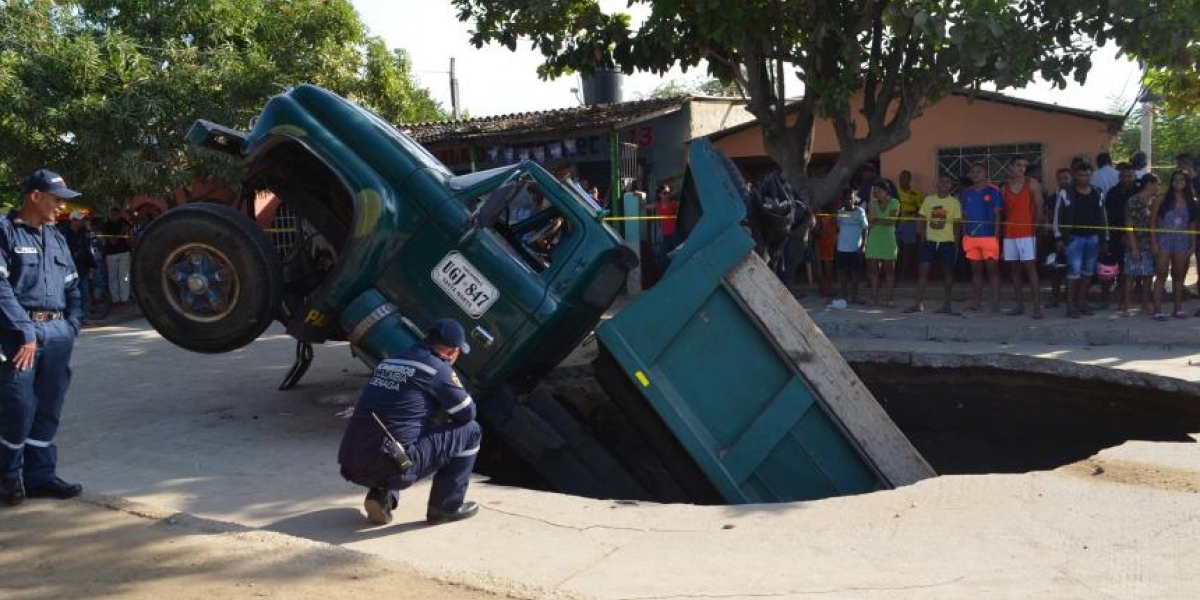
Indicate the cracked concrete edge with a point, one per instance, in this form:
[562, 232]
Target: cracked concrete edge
[1025, 364]
[963, 332]
[471, 581]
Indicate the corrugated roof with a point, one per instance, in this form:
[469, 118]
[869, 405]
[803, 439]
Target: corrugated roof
[599, 116]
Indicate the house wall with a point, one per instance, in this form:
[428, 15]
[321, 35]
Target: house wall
[700, 117]
[201, 190]
[710, 115]
[958, 122]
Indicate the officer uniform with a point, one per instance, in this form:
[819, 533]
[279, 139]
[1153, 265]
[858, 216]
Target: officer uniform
[421, 401]
[39, 302]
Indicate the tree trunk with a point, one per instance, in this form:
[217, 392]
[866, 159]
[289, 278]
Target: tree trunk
[791, 148]
[791, 151]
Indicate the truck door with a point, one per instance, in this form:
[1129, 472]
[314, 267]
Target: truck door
[455, 266]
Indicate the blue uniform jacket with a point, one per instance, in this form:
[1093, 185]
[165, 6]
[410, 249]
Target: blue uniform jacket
[36, 274]
[405, 393]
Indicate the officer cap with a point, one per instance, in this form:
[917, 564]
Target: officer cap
[47, 181]
[449, 333]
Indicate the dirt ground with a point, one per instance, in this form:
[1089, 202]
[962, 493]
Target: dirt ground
[82, 549]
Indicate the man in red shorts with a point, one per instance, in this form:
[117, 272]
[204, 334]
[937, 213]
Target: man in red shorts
[982, 205]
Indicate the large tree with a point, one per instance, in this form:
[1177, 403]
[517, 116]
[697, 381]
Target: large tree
[104, 90]
[897, 56]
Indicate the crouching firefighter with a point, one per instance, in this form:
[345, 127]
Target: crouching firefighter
[413, 420]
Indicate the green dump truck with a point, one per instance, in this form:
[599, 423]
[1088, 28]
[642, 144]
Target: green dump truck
[712, 387]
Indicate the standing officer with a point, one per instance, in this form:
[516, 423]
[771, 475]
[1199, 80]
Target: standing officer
[421, 401]
[39, 318]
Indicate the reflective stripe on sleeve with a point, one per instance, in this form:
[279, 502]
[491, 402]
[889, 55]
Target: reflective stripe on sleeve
[470, 452]
[461, 405]
[39, 443]
[70, 278]
[10, 445]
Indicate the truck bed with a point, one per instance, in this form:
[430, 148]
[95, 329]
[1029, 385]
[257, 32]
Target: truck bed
[717, 386]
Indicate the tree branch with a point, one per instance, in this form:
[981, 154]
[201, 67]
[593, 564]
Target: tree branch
[870, 89]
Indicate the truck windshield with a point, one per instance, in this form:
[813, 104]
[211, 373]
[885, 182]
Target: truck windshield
[522, 215]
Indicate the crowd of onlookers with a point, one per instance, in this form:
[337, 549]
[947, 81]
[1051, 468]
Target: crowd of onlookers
[1112, 227]
[104, 247]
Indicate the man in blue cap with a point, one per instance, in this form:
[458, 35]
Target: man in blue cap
[415, 401]
[40, 314]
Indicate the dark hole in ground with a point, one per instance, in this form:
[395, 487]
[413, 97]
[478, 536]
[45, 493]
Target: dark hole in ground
[501, 464]
[976, 420]
[962, 420]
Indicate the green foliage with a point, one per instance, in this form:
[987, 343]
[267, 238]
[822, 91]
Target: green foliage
[1179, 88]
[389, 88]
[709, 86]
[671, 89]
[1172, 135]
[104, 90]
[1166, 39]
[901, 55]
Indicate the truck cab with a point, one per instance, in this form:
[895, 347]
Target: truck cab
[387, 241]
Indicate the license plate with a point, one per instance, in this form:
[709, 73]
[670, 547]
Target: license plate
[465, 284]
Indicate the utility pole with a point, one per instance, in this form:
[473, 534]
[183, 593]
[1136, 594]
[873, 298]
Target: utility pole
[453, 91]
[1147, 141]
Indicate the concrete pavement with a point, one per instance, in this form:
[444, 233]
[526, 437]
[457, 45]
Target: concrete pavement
[1106, 327]
[85, 549]
[210, 435]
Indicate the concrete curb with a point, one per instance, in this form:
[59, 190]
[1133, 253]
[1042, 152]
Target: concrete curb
[476, 582]
[1023, 364]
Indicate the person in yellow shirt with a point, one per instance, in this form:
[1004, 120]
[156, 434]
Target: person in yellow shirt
[939, 227]
[906, 228]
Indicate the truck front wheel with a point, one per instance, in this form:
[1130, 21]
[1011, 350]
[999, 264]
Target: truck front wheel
[207, 278]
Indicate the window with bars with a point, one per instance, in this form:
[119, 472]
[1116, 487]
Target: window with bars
[956, 162]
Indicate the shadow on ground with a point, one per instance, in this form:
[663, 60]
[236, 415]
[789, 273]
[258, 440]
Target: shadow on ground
[339, 526]
[54, 550]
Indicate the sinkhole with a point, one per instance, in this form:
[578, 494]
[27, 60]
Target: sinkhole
[571, 435]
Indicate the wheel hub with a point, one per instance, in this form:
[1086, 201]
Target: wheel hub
[197, 284]
[205, 282]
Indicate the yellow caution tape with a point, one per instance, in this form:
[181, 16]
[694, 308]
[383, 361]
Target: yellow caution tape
[1048, 225]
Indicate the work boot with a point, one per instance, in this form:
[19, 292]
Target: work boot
[11, 491]
[379, 504]
[55, 488]
[436, 516]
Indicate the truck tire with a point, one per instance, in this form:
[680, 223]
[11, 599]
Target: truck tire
[550, 443]
[638, 440]
[207, 278]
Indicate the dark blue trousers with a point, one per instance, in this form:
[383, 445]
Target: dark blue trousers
[85, 295]
[30, 403]
[448, 454]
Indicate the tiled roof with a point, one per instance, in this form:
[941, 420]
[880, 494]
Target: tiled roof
[600, 116]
